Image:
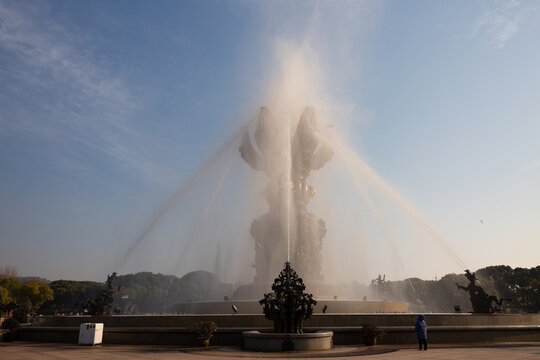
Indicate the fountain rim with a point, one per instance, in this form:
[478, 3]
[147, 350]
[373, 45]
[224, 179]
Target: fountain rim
[274, 342]
[316, 334]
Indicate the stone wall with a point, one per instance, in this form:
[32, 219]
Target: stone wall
[399, 328]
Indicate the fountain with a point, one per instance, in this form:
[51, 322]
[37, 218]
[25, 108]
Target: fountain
[288, 231]
[288, 306]
[287, 151]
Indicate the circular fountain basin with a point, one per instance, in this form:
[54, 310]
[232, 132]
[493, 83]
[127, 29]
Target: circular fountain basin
[272, 342]
[333, 307]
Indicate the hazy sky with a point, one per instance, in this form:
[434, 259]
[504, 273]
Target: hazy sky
[108, 108]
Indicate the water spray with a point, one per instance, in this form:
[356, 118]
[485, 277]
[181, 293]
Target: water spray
[381, 225]
[184, 190]
[350, 156]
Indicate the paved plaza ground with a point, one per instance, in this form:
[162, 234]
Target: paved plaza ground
[41, 351]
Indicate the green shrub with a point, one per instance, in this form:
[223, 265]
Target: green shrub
[204, 329]
[370, 330]
[11, 325]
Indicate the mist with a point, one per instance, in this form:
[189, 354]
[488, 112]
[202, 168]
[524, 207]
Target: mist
[371, 228]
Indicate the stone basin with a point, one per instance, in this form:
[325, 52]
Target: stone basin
[272, 342]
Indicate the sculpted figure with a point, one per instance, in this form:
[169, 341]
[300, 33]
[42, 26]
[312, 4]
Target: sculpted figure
[288, 306]
[102, 304]
[287, 152]
[481, 302]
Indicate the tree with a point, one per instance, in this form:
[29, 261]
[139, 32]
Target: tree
[9, 294]
[8, 272]
[36, 292]
[22, 299]
[69, 293]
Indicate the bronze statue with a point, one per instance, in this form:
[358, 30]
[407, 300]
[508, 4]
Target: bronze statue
[102, 304]
[287, 158]
[288, 306]
[481, 302]
[380, 286]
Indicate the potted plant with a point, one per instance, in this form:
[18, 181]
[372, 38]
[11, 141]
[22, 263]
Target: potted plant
[205, 330]
[370, 334]
[10, 326]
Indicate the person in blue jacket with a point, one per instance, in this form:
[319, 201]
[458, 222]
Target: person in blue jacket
[421, 332]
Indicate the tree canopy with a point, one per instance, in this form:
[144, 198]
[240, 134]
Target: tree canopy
[519, 286]
[146, 292]
[26, 297]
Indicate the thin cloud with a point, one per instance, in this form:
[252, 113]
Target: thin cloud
[521, 172]
[499, 22]
[55, 89]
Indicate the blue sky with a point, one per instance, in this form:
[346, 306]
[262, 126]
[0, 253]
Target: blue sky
[108, 108]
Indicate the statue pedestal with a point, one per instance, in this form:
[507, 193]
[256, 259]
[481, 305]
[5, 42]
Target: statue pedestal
[272, 342]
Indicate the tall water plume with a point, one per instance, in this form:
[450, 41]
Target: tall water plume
[208, 225]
